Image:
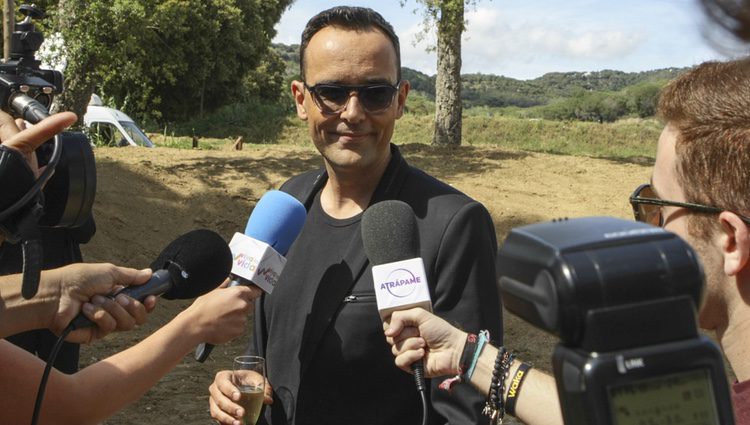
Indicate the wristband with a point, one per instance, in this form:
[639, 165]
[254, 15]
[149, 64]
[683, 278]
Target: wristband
[468, 353]
[484, 337]
[515, 388]
[463, 363]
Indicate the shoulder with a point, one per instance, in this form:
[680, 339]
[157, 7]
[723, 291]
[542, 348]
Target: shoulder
[300, 185]
[431, 197]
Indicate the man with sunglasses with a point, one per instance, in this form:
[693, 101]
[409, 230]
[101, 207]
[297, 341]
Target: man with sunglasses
[700, 190]
[320, 330]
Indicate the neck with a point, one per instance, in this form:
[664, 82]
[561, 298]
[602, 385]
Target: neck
[735, 336]
[348, 191]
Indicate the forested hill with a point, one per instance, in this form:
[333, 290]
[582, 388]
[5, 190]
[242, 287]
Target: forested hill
[493, 90]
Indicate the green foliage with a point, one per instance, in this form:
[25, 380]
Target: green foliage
[419, 104]
[289, 54]
[632, 139]
[643, 98]
[257, 121]
[622, 139]
[186, 142]
[171, 59]
[499, 91]
[441, 13]
[419, 82]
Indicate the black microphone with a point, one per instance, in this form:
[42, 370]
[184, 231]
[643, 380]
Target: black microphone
[391, 241]
[190, 266]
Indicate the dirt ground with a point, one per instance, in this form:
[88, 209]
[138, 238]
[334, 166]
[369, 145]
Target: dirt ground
[147, 197]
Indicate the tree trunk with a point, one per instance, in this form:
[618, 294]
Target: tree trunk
[448, 81]
[9, 20]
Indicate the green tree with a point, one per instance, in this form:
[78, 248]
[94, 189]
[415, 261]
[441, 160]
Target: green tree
[644, 97]
[168, 59]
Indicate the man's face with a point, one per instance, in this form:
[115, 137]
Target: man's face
[666, 185]
[353, 140]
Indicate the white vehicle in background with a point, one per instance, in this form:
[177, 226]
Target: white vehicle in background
[111, 127]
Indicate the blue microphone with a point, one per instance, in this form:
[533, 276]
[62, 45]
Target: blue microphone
[277, 219]
[258, 254]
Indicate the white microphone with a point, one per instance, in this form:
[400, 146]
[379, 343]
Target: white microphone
[391, 241]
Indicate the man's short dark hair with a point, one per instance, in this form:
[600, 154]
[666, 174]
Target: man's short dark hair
[353, 18]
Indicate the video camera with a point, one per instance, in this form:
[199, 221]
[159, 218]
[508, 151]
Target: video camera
[622, 296]
[63, 194]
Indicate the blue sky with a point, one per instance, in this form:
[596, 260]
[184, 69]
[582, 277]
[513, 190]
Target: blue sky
[527, 38]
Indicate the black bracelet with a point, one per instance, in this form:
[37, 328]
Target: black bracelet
[493, 405]
[515, 388]
[468, 354]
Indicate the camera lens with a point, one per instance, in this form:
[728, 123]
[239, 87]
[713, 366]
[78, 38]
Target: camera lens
[44, 98]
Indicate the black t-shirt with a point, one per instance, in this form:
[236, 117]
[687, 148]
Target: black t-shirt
[352, 363]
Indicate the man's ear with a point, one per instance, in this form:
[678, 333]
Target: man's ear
[298, 92]
[735, 243]
[403, 92]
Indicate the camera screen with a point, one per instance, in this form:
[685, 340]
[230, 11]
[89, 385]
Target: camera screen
[678, 399]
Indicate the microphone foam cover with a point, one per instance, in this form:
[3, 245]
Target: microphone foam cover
[277, 220]
[389, 232]
[197, 261]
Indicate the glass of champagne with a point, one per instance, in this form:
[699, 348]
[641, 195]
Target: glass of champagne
[249, 375]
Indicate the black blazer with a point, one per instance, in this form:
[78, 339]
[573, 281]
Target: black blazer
[458, 247]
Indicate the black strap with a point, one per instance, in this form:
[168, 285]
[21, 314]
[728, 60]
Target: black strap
[16, 178]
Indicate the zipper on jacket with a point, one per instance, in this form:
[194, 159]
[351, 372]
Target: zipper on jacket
[354, 298]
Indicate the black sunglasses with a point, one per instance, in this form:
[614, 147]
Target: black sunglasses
[332, 99]
[647, 206]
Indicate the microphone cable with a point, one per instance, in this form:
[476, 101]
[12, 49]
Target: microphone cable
[47, 370]
[418, 369]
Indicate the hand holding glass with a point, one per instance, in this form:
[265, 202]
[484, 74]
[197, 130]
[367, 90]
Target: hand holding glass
[249, 375]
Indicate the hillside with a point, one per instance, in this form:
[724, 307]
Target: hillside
[494, 90]
[498, 91]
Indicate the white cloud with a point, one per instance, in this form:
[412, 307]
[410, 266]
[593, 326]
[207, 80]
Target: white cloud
[528, 38]
[490, 31]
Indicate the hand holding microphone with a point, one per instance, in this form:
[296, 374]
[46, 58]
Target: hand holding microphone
[258, 254]
[417, 335]
[191, 265]
[83, 287]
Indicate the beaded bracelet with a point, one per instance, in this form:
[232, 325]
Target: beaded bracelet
[504, 372]
[493, 404]
[515, 388]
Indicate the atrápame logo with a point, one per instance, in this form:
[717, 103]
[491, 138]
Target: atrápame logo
[401, 283]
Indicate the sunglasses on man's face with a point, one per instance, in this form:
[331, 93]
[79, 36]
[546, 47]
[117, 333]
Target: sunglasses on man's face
[332, 99]
[647, 207]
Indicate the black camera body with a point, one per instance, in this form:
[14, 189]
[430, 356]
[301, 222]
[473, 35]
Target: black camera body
[623, 298]
[23, 84]
[63, 195]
